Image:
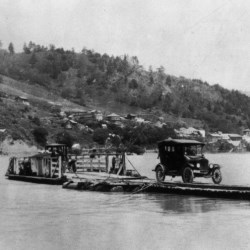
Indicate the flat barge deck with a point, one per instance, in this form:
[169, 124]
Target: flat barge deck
[95, 182]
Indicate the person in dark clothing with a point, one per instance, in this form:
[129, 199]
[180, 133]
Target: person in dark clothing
[114, 164]
[72, 165]
[93, 154]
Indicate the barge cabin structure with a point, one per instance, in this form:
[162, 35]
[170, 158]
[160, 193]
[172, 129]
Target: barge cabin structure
[47, 167]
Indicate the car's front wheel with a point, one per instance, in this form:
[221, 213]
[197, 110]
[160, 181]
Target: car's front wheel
[160, 173]
[187, 175]
[217, 176]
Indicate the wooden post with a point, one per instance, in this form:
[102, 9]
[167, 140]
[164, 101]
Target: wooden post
[50, 168]
[15, 165]
[107, 163]
[59, 167]
[91, 165]
[124, 164]
[44, 166]
[99, 165]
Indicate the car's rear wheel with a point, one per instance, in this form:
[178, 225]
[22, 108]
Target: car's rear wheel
[160, 173]
[217, 176]
[187, 175]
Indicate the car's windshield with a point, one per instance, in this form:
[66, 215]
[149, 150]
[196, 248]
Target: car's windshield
[193, 150]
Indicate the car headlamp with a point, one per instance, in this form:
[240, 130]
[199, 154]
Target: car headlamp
[198, 165]
[211, 165]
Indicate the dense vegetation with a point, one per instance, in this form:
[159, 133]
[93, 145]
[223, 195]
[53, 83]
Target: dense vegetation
[89, 76]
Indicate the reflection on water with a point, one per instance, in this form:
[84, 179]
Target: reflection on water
[190, 204]
[48, 217]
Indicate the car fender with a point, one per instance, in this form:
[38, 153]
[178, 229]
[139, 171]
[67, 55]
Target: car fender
[159, 165]
[215, 165]
[188, 164]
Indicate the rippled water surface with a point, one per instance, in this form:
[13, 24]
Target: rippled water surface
[35, 216]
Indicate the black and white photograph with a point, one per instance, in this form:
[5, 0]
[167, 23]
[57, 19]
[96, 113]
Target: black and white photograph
[124, 125]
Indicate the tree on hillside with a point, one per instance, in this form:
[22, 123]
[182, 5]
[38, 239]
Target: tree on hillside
[168, 81]
[133, 84]
[52, 47]
[33, 60]
[26, 50]
[40, 135]
[110, 68]
[161, 73]
[100, 135]
[65, 138]
[11, 48]
[151, 75]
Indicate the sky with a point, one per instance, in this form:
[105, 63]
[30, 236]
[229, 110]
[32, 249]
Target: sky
[207, 40]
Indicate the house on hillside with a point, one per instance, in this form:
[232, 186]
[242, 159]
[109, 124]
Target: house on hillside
[84, 116]
[62, 114]
[159, 124]
[97, 115]
[131, 117]
[81, 126]
[213, 137]
[139, 120]
[24, 100]
[104, 126]
[246, 136]
[113, 117]
[69, 124]
[74, 112]
[246, 132]
[234, 139]
[2, 130]
[84, 128]
[116, 119]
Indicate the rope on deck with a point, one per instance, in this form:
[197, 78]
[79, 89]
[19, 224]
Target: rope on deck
[143, 188]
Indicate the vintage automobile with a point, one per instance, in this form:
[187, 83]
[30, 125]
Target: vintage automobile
[179, 157]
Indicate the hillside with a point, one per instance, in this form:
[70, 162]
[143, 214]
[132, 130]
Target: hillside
[20, 120]
[55, 79]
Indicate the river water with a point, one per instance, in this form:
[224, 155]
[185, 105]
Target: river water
[35, 216]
